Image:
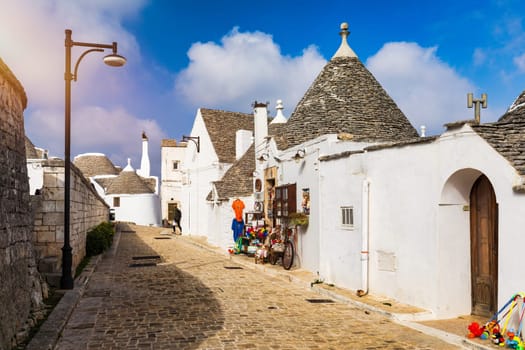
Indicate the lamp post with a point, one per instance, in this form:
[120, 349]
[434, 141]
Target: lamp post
[113, 60]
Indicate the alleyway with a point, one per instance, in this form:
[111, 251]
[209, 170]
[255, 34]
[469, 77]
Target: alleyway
[193, 298]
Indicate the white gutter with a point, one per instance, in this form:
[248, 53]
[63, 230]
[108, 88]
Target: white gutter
[365, 233]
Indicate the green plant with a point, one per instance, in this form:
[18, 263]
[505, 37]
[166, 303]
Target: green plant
[99, 239]
[82, 265]
[298, 219]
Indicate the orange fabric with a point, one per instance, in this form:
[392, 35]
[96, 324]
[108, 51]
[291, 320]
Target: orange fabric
[238, 207]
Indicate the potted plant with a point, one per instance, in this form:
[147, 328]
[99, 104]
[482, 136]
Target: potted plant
[298, 219]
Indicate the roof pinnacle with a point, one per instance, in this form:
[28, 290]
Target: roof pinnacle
[344, 49]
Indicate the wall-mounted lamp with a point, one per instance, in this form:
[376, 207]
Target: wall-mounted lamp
[195, 139]
[299, 155]
[263, 158]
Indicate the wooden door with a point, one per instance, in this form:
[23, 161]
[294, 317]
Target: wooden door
[484, 247]
[171, 211]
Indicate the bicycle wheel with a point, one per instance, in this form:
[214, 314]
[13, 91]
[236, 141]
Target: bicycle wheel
[288, 255]
[273, 258]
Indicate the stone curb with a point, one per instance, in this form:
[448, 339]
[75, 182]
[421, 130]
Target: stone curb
[47, 336]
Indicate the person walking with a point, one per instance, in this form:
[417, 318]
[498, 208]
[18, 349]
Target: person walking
[177, 215]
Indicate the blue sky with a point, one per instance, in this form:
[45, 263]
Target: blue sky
[183, 55]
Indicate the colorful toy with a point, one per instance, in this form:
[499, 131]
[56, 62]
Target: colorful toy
[513, 341]
[509, 316]
[497, 339]
[475, 331]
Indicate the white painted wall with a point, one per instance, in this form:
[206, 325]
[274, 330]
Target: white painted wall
[419, 232]
[142, 209]
[35, 173]
[221, 216]
[201, 169]
[172, 180]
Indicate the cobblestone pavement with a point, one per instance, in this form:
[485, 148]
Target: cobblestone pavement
[194, 298]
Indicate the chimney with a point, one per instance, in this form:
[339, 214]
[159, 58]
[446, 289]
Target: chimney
[144, 170]
[260, 114]
[243, 141]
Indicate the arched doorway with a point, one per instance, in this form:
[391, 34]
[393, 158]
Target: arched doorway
[484, 247]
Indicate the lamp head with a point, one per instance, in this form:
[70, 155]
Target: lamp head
[114, 60]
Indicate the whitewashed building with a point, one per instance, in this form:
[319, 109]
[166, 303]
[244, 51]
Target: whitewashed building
[133, 195]
[429, 221]
[172, 177]
[219, 139]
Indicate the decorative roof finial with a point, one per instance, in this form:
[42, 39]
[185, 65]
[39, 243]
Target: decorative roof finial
[344, 50]
[279, 118]
[128, 167]
[472, 102]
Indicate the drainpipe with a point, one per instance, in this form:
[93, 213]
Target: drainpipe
[365, 232]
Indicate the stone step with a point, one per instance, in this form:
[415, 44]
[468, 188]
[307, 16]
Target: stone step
[53, 279]
[50, 264]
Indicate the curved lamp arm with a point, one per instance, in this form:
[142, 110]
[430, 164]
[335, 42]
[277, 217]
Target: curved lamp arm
[80, 59]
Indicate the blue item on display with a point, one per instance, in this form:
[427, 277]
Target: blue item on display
[238, 228]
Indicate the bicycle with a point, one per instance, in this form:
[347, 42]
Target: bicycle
[284, 250]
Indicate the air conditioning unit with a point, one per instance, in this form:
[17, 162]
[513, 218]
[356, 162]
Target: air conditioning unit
[259, 197]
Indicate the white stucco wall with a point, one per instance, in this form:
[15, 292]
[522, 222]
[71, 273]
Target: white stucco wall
[35, 173]
[202, 168]
[220, 219]
[172, 180]
[142, 209]
[419, 229]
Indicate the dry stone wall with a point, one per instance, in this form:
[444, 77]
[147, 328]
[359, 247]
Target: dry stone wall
[21, 288]
[88, 209]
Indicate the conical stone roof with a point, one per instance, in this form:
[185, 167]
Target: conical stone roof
[346, 98]
[128, 182]
[93, 164]
[507, 135]
[516, 112]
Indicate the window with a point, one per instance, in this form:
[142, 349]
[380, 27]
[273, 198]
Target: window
[116, 202]
[176, 165]
[347, 217]
[285, 201]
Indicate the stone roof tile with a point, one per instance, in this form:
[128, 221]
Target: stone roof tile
[346, 97]
[31, 152]
[128, 182]
[237, 181]
[222, 126]
[93, 164]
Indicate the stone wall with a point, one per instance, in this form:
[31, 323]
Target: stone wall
[88, 209]
[21, 288]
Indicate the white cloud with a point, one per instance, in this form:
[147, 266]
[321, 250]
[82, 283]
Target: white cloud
[32, 45]
[96, 129]
[519, 61]
[243, 68]
[427, 90]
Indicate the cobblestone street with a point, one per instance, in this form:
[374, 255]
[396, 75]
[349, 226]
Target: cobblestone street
[194, 298]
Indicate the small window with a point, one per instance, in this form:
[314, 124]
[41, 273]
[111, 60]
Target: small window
[116, 202]
[347, 217]
[175, 165]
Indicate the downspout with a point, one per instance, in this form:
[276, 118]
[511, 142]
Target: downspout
[365, 233]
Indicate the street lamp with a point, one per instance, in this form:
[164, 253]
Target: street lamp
[113, 60]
